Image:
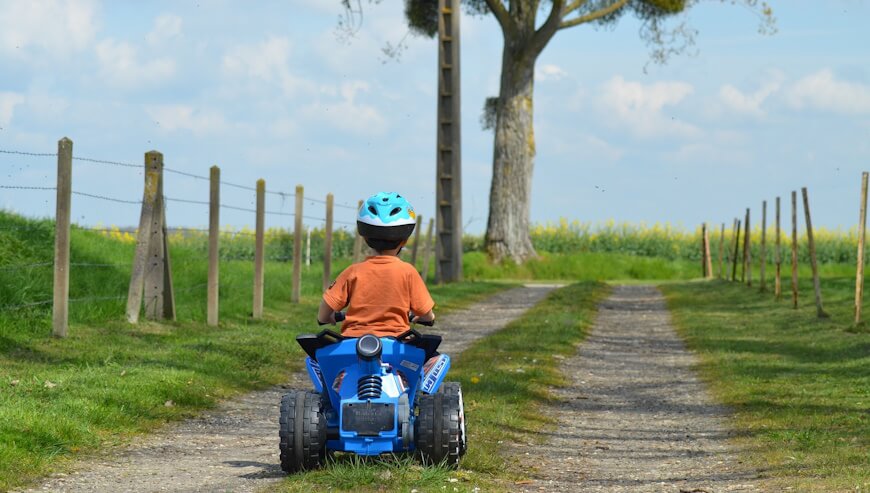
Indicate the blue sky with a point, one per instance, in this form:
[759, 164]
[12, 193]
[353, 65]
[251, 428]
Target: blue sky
[267, 89]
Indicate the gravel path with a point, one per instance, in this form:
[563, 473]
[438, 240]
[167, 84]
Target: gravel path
[235, 447]
[635, 417]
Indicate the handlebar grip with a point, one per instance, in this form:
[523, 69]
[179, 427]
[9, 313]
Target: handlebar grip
[339, 316]
[427, 323]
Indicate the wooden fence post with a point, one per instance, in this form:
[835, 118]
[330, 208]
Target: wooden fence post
[862, 226]
[151, 277]
[427, 250]
[60, 315]
[307, 248]
[327, 243]
[708, 260]
[747, 253]
[259, 246]
[762, 281]
[357, 241]
[721, 251]
[736, 249]
[214, 234]
[817, 284]
[777, 284]
[417, 229]
[297, 246]
[794, 251]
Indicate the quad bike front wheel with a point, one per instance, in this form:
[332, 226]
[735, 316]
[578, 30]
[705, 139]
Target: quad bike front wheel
[440, 426]
[302, 431]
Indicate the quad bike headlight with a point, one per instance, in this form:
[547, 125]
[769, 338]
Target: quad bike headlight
[368, 347]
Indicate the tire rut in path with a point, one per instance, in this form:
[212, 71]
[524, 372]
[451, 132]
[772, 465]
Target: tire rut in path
[235, 447]
[635, 417]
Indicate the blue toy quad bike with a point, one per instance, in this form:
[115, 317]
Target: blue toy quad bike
[373, 396]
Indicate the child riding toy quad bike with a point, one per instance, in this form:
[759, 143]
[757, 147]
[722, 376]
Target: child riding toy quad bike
[373, 395]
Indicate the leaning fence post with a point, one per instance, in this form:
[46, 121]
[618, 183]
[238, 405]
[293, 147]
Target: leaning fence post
[736, 250]
[60, 315]
[721, 251]
[794, 251]
[214, 232]
[357, 241]
[259, 246]
[862, 225]
[817, 284]
[327, 243]
[297, 246]
[762, 281]
[417, 229]
[747, 253]
[427, 250]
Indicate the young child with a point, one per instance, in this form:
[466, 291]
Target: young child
[380, 291]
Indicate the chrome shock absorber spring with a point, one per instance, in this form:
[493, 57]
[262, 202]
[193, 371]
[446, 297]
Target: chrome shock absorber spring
[369, 387]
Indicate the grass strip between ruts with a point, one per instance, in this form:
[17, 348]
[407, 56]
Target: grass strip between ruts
[506, 379]
[799, 386]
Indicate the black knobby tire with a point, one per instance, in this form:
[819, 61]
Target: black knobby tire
[302, 431]
[440, 426]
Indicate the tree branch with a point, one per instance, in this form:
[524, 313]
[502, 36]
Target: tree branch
[545, 33]
[504, 18]
[591, 16]
[571, 7]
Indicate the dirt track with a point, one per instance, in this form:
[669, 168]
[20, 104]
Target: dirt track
[235, 447]
[635, 418]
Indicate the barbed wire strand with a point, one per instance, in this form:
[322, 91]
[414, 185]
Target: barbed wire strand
[25, 187]
[25, 153]
[24, 266]
[110, 199]
[112, 163]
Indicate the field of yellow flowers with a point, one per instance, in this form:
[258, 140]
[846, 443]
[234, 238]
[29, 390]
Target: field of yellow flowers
[659, 240]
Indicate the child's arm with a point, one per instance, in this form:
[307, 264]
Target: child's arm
[428, 317]
[325, 315]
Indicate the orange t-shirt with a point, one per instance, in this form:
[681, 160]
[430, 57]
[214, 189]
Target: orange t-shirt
[378, 294]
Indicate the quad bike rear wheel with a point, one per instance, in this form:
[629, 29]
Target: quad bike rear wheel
[302, 431]
[440, 426]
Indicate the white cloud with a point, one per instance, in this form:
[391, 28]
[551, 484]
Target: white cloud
[8, 102]
[822, 91]
[120, 65]
[55, 27]
[638, 107]
[172, 117]
[166, 27]
[549, 72]
[347, 114]
[268, 62]
[737, 101]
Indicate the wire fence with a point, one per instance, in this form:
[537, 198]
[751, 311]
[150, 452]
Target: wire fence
[236, 245]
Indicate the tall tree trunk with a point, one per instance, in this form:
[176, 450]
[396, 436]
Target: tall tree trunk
[508, 228]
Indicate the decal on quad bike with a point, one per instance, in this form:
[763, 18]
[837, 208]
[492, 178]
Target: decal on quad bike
[410, 365]
[433, 377]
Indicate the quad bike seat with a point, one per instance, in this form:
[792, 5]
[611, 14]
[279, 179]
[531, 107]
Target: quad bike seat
[312, 342]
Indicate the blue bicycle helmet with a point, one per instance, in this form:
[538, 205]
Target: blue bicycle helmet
[386, 216]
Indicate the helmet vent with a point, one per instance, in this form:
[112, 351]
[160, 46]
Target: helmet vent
[372, 210]
[395, 211]
[386, 199]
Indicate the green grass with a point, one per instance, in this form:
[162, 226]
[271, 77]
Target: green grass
[108, 380]
[800, 386]
[506, 379]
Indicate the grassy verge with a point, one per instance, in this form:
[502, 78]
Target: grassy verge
[800, 386]
[505, 379]
[108, 380]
